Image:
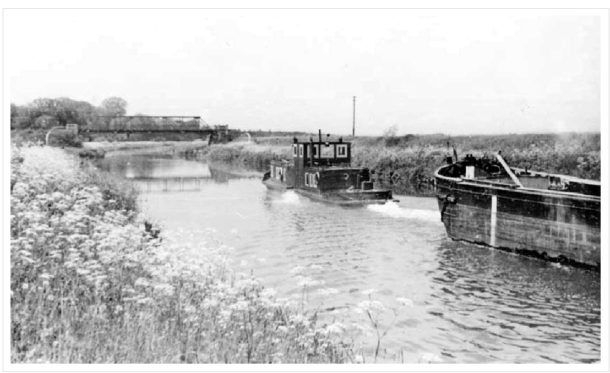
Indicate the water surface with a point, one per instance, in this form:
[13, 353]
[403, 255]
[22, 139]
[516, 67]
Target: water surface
[442, 300]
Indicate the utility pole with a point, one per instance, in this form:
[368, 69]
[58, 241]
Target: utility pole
[354, 119]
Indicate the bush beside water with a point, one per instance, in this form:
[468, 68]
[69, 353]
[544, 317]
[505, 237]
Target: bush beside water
[90, 283]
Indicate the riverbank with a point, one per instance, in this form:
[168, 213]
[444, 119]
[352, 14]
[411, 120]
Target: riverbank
[93, 282]
[406, 164]
[247, 154]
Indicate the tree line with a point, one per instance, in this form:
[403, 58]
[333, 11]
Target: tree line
[50, 112]
[44, 113]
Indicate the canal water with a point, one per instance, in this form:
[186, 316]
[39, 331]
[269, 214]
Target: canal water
[438, 300]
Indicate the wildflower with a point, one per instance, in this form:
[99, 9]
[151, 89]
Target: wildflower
[164, 289]
[307, 282]
[428, 358]
[268, 292]
[336, 328]
[405, 302]
[327, 291]
[239, 306]
[371, 306]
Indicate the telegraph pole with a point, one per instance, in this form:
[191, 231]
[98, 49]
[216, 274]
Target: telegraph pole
[354, 119]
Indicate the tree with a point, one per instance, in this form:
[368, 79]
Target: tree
[72, 111]
[390, 131]
[114, 106]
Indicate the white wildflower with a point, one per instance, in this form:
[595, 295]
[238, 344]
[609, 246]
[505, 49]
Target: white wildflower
[405, 302]
[428, 358]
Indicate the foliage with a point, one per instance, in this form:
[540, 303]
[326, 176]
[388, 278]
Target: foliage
[407, 163]
[62, 111]
[91, 284]
[64, 138]
[28, 136]
[249, 155]
[114, 106]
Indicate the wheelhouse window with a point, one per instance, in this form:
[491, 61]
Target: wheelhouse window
[342, 151]
[300, 150]
[327, 151]
[294, 150]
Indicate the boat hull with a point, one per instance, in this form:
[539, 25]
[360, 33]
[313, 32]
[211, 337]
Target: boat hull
[562, 227]
[347, 198]
[275, 185]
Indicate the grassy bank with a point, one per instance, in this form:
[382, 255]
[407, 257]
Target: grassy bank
[248, 155]
[91, 282]
[575, 154]
[407, 163]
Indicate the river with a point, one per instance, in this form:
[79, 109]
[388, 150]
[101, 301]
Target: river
[439, 300]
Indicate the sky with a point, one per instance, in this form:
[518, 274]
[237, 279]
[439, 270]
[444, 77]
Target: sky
[433, 71]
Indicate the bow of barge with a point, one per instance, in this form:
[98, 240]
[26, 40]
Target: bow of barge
[553, 217]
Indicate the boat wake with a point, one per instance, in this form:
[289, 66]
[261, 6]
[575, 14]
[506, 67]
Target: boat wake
[392, 209]
[289, 197]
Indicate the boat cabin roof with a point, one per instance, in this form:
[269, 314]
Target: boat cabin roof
[321, 153]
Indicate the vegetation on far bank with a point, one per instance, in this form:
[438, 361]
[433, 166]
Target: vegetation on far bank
[247, 155]
[407, 163]
[91, 282]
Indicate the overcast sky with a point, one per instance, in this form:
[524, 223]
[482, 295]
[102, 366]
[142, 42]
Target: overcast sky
[449, 71]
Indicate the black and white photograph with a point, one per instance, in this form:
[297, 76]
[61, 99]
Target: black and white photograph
[367, 186]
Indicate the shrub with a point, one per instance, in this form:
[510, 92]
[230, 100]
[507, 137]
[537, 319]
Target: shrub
[90, 284]
[46, 121]
[64, 138]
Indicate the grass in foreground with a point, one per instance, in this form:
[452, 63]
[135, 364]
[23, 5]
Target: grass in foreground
[90, 284]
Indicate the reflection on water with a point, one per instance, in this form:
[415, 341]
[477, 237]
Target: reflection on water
[459, 302]
[165, 173]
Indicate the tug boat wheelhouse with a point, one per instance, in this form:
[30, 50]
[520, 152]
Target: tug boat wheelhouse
[554, 217]
[322, 171]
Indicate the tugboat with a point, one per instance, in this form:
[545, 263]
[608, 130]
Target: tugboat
[322, 171]
[553, 217]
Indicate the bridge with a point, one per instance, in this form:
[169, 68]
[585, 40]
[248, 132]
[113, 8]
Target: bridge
[147, 124]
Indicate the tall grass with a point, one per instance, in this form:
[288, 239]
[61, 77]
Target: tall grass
[407, 163]
[575, 154]
[252, 156]
[90, 284]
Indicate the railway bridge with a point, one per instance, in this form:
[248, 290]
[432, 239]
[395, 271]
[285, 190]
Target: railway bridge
[146, 124]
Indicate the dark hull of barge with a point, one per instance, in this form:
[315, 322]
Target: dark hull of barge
[556, 226]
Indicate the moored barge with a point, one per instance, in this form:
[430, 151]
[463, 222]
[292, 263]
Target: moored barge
[322, 171]
[554, 217]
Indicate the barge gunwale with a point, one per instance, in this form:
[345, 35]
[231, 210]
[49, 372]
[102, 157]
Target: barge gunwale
[501, 186]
